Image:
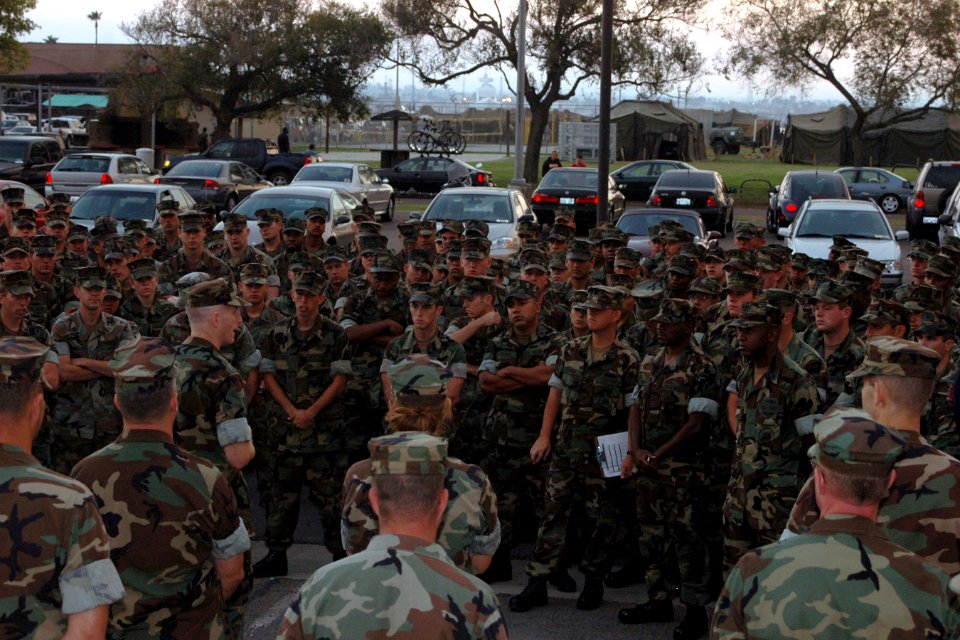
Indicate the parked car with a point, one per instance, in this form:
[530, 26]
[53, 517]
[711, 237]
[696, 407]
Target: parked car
[28, 159]
[935, 183]
[635, 181]
[703, 191]
[950, 218]
[21, 130]
[76, 173]
[222, 182]
[500, 208]
[126, 202]
[31, 199]
[430, 174]
[72, 131]
[262, 156]
[886, 188]
[357, 179]
[575, 188]
[861, 222]
[798, 187]
[293, 200]
[636, 223]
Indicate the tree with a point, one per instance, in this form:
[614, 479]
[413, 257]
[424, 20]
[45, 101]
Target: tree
[244, 58]
[13, 23]
[446, 39]
[890, 60]
[51, 40]
[95, 16]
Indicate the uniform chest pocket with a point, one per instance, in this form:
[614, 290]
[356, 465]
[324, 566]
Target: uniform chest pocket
[769, 425]
[608, 393]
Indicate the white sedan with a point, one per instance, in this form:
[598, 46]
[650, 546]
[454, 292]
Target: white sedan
[500, 208]
[861, 222]
[358, 180]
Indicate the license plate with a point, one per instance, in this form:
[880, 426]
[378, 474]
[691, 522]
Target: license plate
[930, 220]
[683, 201]
[566, 200]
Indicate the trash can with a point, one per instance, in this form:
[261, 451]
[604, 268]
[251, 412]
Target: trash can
[392, 157]
[148, 156]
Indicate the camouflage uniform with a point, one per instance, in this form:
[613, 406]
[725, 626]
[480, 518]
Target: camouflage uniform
[304, 366]
[56, 550]
[45, 304]
[595, 397]
[176, 267]
[261, 325]
[396, 574]
[772, 417]
[242, 354]
[441, 347]
[844, 359]
[843, 577]
[84, 418]
[250, 255]
[150, 321]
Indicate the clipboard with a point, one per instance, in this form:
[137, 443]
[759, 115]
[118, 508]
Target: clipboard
[611, 450]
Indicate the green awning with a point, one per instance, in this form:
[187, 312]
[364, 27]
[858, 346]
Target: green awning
[76, 100]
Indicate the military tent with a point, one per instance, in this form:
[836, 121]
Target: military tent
[649, 129]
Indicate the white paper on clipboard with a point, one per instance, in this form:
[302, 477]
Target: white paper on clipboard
[611, 450]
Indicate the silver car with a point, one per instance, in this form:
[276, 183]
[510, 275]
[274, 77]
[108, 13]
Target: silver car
[126, 202]
[500, 208]
[77, 173]
[294, 200]
[886, 188]
[358, 180]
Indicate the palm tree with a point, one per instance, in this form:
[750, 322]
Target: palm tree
[51, 39]
[96, 16]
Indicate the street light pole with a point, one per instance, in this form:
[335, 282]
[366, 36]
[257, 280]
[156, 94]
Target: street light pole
[521, 90]
[606, 72]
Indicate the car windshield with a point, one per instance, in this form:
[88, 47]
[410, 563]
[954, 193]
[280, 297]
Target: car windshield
[688, 179]
[13, 151]
[819, 186]
[122, 205]
[291, 205]
[490, 207]
[324, 173]
[576, 179]
[639, 225]
[196, 169]
[85, 164]
[847, 223]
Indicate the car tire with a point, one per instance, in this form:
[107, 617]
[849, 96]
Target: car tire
[279, 178]
[719, 147]
[889, 203]
[388, 212]
[770, 222]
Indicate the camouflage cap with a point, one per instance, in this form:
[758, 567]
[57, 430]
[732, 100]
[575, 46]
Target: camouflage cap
[936, 324]
[426, 293]
[887, 356]
[12, 195]
[882, 311]
[832, 292]
[675, 311]
[143, 364]
[190, 220]
[234, 222]
[684, 265]
[114, 250]
[706, 286]
[475, 248]
[472, 286]
[498, 267]
[851, 443]
[369, 226]
[476, 228]
[839, 243]
[561, 233]
[440, 263]
[113, 289]
[318, 212]
[385, 262]
[372, 243]
[455, 249]
[16, 245]
[557, 260]
[766, 262]
[418, 381]
[942, 266]
[428, 228]
[564, 215]
[715, 254]
[293, 225]
[613, 234]
[534, 260]
[44, 245]
[782, 299]
[92, 277]
[921, 297]
[602, 298]
[21, 359]
[800, 261]
[578, 299]
[739, 260]
[952, 252]
[742, 281]
[869, 267]
[696, 251]
[167, 205]
[852, 254]
[528, 227]
[522, 290]
[360, 215]
[419, 258]
[745, 231]
[409, 230]
[269, 216]
[309, 282]
[949, 241]
[824, 268]
[923, 250]
[215, 240]
[194, 277]
[135, 228]
[627, 258]
[453, 226]
[56, 218]
[622, 281]
[758, 314]
[18, 283]
[580, 250]
[254, 273]
[212, 293]
[336, 254]
[25, 218]
[143, 268]
[674, 234]
[408, 454]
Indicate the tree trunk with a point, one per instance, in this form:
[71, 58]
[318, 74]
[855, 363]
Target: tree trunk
[539, 119]
[856, 141]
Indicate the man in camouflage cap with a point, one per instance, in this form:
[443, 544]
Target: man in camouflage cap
[886, 318]
[212, 414]
[920, 253]
[408, 496]
[270, 223]
[939, 333]
[145, 308]
[11, 199]
[238, 251]
[16, 291]
[832, 337]
[258, 316]
[305, 367]
[844, 573]
[58, 580]
[791, 344]
[776, 403]
[191, 256]
[942, 273]
[177, 575]
[679, 396]
[84, 418]
[594, 376]
[168, 210]
[680, 272]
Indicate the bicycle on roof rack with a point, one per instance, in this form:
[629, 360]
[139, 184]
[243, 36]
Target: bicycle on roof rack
[436, 139]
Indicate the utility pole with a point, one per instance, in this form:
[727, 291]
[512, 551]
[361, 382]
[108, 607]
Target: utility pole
[606, 72]
[521, 90]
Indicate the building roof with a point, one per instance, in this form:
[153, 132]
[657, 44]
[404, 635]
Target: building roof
[76, 64]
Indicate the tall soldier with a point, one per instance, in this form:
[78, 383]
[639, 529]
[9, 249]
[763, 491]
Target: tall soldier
[212, 413]
[176, 573]
[167, 212]
[192, 255]
[834, 340]
[305, 369]
[145, 308]
[238, 251]
[84, 418]
[56, 579]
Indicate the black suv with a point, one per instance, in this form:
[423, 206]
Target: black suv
[798, 187]
[28, 159]
[701, 191]
[936, 182]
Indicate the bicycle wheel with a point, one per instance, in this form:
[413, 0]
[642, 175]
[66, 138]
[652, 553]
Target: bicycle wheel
[461, 144]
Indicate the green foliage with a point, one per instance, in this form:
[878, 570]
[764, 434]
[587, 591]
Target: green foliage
[13, 24]
[247, 57]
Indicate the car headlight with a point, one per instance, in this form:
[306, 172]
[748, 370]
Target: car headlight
[505, 242]
[892, 266]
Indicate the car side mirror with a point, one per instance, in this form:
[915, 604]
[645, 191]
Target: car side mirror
[384, 181]
[776, 190]
[731, 189]
[783, 232]
[945, 219]
[341, 220]
[415, 215]
[901, 235]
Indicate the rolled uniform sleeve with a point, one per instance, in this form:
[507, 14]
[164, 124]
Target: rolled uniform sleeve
[232, 425]
[89, 578]
[489, 366]
[227, 529]
[805, 405]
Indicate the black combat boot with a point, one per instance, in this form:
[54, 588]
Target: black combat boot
[592, 595]
[273, 565]
[694, 625]
[561, 579]
[533, 595]
[649, 611]
[500, 569]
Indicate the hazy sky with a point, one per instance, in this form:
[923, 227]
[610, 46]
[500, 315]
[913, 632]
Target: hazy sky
[69, 23]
